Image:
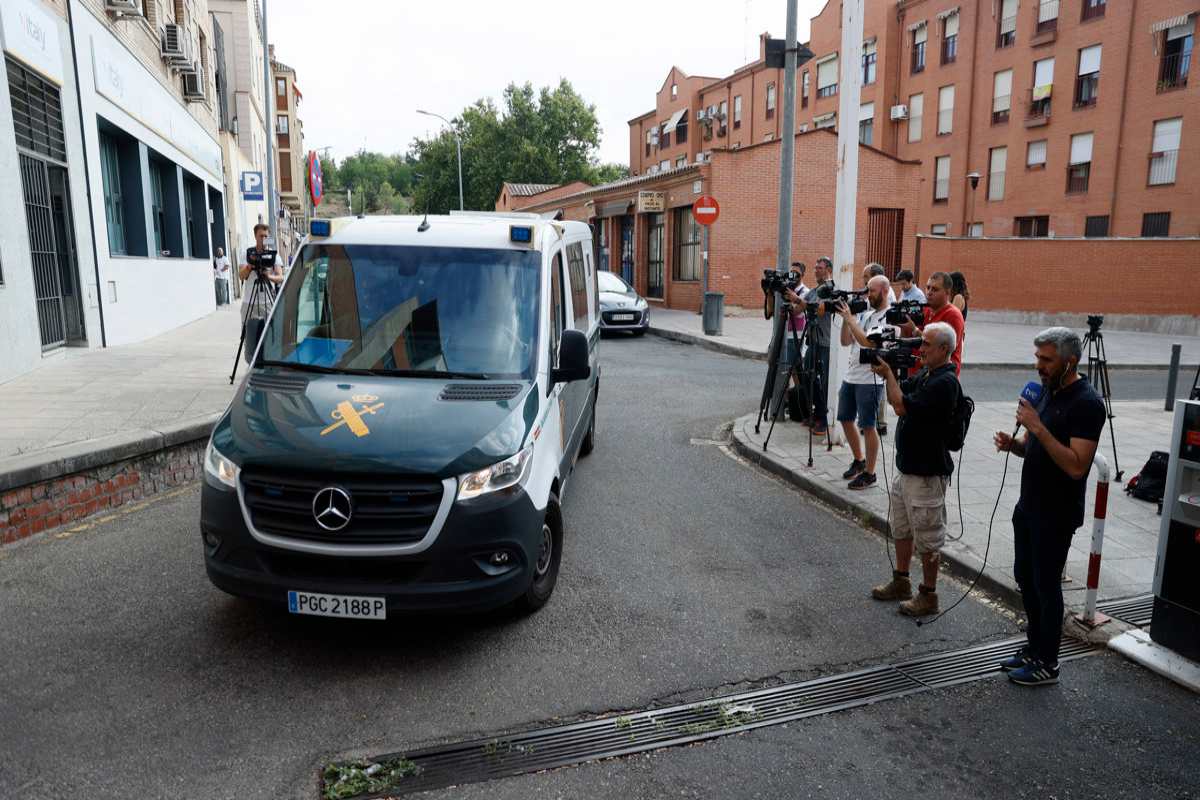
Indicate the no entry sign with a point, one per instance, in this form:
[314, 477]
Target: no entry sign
[706, 210]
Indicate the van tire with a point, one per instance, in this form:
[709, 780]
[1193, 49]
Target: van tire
[542, 585]
[589, 439]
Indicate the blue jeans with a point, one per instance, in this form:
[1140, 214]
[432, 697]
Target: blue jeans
[1040, 553]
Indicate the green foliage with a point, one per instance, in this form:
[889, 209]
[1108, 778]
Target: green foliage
[364, 777]
[379, 182]
[546, 136]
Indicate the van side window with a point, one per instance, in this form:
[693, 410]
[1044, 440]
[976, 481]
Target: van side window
[594, 280]
[579, 299]
[557, 310]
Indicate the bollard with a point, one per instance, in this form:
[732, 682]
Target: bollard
[1090, 618]
[1173, 377]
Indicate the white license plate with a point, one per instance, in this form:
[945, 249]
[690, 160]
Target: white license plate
[337, 605]
[624, 317]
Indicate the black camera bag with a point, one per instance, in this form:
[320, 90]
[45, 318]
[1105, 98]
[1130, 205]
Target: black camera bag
[1151, 483]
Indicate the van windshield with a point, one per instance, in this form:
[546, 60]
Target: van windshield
[419, 311]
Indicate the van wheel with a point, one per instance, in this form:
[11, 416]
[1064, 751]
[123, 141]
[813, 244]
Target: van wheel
[545, 567]
[589, 439]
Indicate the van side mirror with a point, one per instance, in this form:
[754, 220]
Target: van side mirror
[572, 358]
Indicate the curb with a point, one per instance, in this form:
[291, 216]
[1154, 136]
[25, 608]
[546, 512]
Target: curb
[55, 462]
[742, 352]
[963, 564]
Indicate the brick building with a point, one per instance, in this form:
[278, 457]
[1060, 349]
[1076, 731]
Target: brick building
[290, 157]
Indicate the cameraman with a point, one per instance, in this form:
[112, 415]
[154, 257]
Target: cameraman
[859, 394]
[268, 274]
[908, 287]
[1063, 431]
[817, 357]
[924, 404]
[939, 291]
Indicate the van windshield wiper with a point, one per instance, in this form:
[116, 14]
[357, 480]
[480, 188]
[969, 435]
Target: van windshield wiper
[303, 367]
[432, 373]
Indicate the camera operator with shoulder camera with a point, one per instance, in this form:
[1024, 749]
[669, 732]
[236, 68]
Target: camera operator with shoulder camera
[939, 291]
[924, 405]
[264, 264]
[858, 397]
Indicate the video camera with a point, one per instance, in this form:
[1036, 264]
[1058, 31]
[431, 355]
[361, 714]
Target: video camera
[773, 281]
[829, 296]
[261, 260]
[906, 311]
[898, 353]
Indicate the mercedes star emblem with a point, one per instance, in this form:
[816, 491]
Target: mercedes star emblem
[331, 508]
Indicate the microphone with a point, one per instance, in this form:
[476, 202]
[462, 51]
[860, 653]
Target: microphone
[1033, 393]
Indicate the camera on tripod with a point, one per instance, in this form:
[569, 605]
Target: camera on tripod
[261, 261]
[773, 281]
[906, 311]
[829, 296]
[897, 352]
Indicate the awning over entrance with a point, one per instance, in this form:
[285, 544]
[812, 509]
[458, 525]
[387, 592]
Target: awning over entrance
[614, 208]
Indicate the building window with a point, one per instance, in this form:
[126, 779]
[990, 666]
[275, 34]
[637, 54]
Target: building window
[1047, 16]
[997, 164]
[158, 212]
[918, 48]
[950, 39]
[189, 223]
[804, 89]
[1087, 84]
[1031, 227]
[281, 124]
[827, 76]
[1035, 156]
[680, 162]
[1093, 9]
[737, 112]
[941, 179]
[976, 230]
[114, 201]
[916, 110]
[723, 116]
[655, 223]
[1164, 151]
[1001, 96]
[1006, 32]
[1176, 52]
[866, 123]
[945, 123]
[1043, 85]
[825, 121]
[1080, 166]
[674, 91]
[681, 129]
[37, 112]
[770, 100]
[1156, 224]
[281, 94]
[649, 139]
[1095, 227]
[664, 138]
[868, 63]
[688, 264]
[939, 229]
[285, 174]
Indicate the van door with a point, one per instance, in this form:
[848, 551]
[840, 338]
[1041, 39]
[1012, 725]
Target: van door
[559, 393]
[575, 292]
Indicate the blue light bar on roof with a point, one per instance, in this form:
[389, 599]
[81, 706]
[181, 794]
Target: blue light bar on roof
[520, 234]
[319, 227]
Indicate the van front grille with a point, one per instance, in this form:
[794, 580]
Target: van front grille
[385, 509]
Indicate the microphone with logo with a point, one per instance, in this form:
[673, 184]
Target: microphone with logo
[1033, 393]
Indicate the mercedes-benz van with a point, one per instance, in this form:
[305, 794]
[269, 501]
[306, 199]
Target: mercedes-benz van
[412, 415]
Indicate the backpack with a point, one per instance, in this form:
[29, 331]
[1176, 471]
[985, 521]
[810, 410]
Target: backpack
[1151, 482]
[960, 422]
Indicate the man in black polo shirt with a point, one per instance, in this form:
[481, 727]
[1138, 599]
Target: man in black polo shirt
[923, 404]
[1062, 432]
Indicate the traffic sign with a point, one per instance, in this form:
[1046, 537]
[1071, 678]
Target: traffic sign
[316, 182]
[706, 210]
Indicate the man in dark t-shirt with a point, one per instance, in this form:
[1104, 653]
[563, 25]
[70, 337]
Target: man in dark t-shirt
[1062, 432]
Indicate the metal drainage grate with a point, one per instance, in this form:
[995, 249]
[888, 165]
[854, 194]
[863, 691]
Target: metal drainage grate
[480, 391]
[1134, 610]
[519, 753]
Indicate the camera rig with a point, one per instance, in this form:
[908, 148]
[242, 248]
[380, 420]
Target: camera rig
[897, 352]
[906, 311]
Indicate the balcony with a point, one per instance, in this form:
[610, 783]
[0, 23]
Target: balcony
[1077, 178]
[1007, 36]
[918, 58]
[949, 50]
[1173, 71]
[1162, 168]
[1000, 108]
[1047, 17]
[1037, 112]
[1087, 90]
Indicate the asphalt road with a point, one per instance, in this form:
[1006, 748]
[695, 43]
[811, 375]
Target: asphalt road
[686, 573]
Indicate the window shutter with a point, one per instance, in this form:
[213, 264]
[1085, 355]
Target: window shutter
[1081, 148]
[952, 25]
[999, 159]
[916, 105]
[1089, 60]
[1043, 72]
[943, 168]
[1002, 91]
[1166, 135]
[1036, 154]
[827, 73]
[866, 111]
[1008, 16]
[921, 34]
[946, 98]
[1047, 10]
[1181, 31]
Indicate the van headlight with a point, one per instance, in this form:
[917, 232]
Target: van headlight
[501, 475]
[220, 468]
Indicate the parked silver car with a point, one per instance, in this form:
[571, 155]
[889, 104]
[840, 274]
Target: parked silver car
[621, 308]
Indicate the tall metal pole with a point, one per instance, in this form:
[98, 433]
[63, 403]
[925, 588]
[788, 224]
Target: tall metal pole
[268, 90]
[788, 151]
[458, 142]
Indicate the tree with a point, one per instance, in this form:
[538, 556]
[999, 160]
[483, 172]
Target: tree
[547, 136]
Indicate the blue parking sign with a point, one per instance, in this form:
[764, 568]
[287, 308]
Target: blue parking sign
[252, 185]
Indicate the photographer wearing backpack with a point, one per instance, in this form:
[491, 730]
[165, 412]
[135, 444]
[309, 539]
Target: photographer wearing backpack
[1062, 432]
[925, 405]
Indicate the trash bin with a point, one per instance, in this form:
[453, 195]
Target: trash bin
[714, 312]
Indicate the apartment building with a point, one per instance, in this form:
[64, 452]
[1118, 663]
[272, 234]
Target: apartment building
[108, 128]
[1064, 118]
[295, 201]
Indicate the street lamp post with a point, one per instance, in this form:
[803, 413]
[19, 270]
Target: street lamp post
[458, 145]
[973, 177]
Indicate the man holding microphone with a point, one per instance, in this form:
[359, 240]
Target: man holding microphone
[1062, 432]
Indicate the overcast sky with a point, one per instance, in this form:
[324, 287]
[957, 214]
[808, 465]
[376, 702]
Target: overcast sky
[365, 66]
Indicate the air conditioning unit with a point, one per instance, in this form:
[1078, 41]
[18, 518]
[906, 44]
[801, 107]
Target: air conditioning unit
[124, 8]
[701, 115]
[702, 157]
[175, 45]
[193, 84]
[899, 112]
[712, 111]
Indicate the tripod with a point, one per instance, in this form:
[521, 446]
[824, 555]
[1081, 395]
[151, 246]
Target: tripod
[776, 387]
[1093, 342]
[262, 294]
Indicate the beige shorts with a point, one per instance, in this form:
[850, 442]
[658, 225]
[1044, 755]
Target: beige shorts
[919, 510]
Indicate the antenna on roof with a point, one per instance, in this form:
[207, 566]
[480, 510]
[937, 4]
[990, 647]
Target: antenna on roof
[424, 226]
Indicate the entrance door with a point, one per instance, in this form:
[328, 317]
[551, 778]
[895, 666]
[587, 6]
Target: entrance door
[68, 261]
[885, 238]
[43, 248]
[627, 249]
[654, 257]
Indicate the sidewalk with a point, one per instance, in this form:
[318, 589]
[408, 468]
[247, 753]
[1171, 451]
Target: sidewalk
[82, 397]
[989, 344]
[1131, 530]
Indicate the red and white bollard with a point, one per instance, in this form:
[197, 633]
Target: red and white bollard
[1091, 617]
